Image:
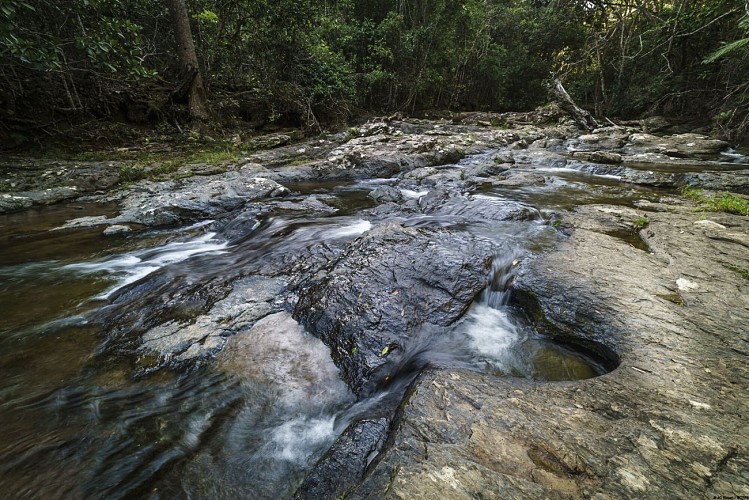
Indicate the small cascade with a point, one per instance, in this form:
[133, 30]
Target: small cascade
[492, 326]
[503, 341]
[501, 275]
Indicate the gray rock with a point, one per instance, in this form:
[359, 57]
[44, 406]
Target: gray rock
[14, 202]
[387, 285]
[598, 156]
[116, 229]
[269, 141]
[174, 202]
[176, 341]
[89, 221]
[668, 421]
[44, 182]
[678, 146]
[601, 139]
[523, 179]
[386, 194]
[736, 181]
[277, 352]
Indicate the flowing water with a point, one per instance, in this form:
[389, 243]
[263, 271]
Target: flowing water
[77, 423]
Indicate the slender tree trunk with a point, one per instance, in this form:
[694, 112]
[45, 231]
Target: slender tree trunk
[196, 96]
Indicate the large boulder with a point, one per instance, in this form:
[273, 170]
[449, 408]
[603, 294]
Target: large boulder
[678, 146]
[174, 202]
[385, 287]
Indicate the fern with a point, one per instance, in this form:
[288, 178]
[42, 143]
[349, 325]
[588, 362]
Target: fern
[729, 47]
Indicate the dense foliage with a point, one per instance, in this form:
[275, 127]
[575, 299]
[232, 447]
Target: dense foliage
[312, 61]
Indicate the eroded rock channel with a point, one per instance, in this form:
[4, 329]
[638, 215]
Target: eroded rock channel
[414, 309]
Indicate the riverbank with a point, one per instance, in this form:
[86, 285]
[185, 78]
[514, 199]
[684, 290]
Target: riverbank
[621, 298]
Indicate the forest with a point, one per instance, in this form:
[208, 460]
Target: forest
[68, 66]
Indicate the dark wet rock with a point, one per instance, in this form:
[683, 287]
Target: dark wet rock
[669, 420]
[387, 285]
[735, 181]
[486, 169]
[173, 202]
[343, 466]
[479, 209]
[434, 199]
[241, 224]
[678, 146]
[386, 194]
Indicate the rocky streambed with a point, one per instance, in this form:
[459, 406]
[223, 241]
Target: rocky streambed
[412, 309]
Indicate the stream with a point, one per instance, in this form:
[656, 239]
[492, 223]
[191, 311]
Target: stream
[84, 417]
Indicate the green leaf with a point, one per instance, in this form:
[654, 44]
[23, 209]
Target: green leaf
[726, 49]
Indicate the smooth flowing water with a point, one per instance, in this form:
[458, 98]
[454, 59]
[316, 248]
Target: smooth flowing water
[77, 423]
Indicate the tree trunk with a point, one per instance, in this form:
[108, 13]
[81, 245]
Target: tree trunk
[196, 96]
[583, 119]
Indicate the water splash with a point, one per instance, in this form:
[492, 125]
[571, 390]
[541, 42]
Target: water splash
[298, 439]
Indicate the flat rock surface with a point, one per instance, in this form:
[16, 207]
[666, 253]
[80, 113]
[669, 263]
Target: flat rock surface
[669, 422]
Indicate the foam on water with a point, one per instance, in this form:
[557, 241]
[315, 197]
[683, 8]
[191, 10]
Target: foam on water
[354, 229]
[407, 193]
[492, 335]
[131, 267]
[297, 439]
[557, 170]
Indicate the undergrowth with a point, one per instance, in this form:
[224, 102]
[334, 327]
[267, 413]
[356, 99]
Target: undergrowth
[718, 202]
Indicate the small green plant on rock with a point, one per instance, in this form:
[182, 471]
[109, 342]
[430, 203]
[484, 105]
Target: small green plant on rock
[721, 202]
[640, 223]
[352, 133]
[131, 173]
[730, 203]
[744, 273]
